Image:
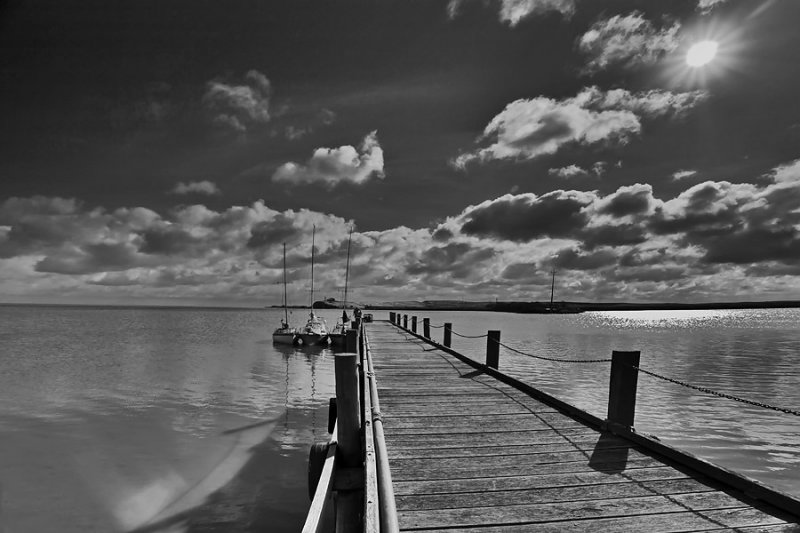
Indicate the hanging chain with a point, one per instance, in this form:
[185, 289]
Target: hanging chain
[720, 394]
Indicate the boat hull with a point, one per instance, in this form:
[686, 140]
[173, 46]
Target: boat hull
[313, 339]
[283, 338]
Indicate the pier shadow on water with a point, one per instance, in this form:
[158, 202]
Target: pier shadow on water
[609, 455]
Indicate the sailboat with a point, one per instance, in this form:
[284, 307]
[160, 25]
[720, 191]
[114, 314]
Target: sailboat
[339, 333]
[315, 332]
[284, 334]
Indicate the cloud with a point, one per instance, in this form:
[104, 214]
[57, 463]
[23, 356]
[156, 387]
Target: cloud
[571, 171]
[239, 107]
[629, 41]
[683, 174]
[513, 11]
[197, 187]
[332, 166]
[707, 5]
[707, 242]
[527, 129]
[526, 217]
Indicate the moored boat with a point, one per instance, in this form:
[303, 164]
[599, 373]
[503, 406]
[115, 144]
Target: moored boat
[285, 334]
[315, 332]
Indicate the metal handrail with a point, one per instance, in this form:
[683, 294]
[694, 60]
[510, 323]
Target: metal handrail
[388, 507]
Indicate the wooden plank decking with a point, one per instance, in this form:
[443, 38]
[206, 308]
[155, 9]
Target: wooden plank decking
[469, 453]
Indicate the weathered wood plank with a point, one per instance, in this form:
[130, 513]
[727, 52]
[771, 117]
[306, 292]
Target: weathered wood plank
[456, 440]
[630, 489]
[686, 521]
[408, 453]
[537, 481]
[475, 470]
[581, 510]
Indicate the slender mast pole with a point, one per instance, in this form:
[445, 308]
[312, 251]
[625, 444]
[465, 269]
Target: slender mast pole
[347, 268]
[552, 289]
[313, 234]
[285, 300]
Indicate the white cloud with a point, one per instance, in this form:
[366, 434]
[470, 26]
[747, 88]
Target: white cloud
[331, 166]
[683, 174]
[708, 5]
[527, 129]
[629, 40]
[196, 187]
[239, 106]
[571, 171]
[513, 11]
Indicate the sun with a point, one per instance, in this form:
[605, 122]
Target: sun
[701, 53]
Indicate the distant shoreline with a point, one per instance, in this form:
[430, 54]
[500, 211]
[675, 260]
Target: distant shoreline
[456, 305]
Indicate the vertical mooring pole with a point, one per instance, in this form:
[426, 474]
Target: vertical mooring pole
[413, 324]
[391, 317]
[493, 349]
[426, 328]
[448, 331]
[622, 388]
[405, 321]
[351, 341]
[348, 502]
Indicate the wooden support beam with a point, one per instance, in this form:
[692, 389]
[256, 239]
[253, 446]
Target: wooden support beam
[426, 328]
[413, 324]
[448, 334]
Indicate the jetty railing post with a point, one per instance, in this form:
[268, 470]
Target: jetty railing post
[348, 503]
[448, 332]
[414, 324]
[493, 349]
[622, 388]
[391, 317]
[405, 321]
[426, 328]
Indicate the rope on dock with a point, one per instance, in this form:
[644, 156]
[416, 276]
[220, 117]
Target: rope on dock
[719, 394]
[554, 358]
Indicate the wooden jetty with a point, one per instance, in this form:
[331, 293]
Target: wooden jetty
[463, 448]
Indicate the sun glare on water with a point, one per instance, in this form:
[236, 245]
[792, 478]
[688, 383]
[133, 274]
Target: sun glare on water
[701, 53]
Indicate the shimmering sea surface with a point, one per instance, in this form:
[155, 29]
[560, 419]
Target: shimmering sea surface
[749, 353]
[112, 419]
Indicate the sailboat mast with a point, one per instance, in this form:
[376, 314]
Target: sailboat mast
[313, 234]
[285, 300]
[552, 288]
[347, 268]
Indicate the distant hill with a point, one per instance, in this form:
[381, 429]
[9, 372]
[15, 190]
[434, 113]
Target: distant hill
[544, 307]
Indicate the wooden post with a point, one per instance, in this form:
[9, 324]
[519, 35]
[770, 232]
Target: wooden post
[426, 328]
[448, 332]
[391, 317]
[351, 341]
[493, 349]
[405, 321]
[413, 324]
[622, 388]
[348, 503]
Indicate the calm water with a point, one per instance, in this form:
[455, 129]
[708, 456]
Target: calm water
[110, 418]
[113, 417]
[753, 354]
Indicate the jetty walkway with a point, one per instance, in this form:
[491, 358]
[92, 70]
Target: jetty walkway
[469, 450]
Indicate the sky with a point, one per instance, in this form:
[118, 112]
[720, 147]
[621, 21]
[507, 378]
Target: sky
[162, 152]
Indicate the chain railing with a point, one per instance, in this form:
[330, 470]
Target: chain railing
[698, 388]
[719, 394]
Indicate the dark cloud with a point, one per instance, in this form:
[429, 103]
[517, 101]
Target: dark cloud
[269, 233]
[622, 235]
[442, 235]
[92, 258]
[167, 240]
[572, 259]
[633, 200]
[753, 245]
[527, 217]
[456, 259]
